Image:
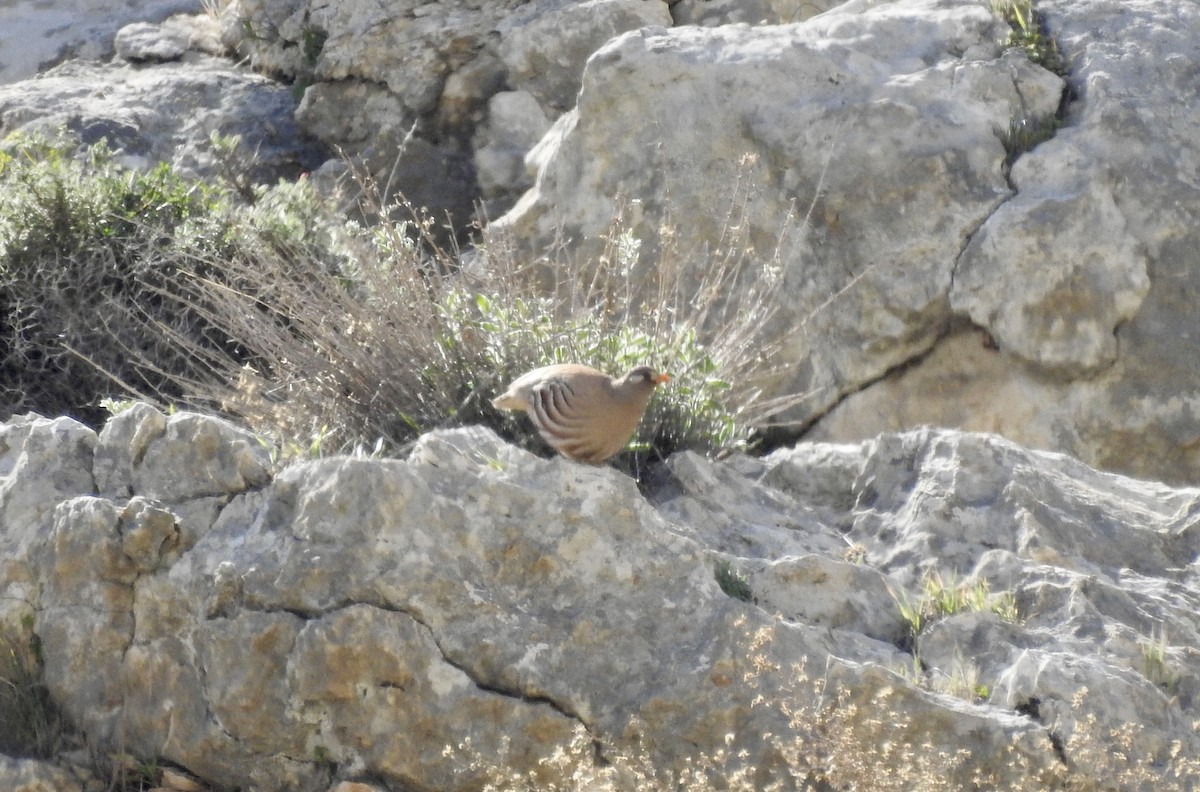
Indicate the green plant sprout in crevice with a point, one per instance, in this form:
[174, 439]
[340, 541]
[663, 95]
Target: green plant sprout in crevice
[732, 582]
[963, 680]
[1028, 34]
[312, 42]
[941, 597]
[1025, 134]
[1155, 665]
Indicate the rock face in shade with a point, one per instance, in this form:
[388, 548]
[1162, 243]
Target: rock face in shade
[463, 614]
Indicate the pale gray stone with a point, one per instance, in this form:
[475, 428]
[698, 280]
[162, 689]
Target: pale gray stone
[122, 445]
[870, 133]
[166, 113]
[143, 41]
[515, 123]
[1082, 279]
[35, 35]
[198, 456]
[42, 461]
[33, 775]
[711, 13]
[545, 45]
[477, 595]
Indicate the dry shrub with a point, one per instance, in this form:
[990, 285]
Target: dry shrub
[311, 327]
[870, 732]
[403, 336]
[77, 233]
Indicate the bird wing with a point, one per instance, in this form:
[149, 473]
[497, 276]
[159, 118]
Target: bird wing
[578, 420]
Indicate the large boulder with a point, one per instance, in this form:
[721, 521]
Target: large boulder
[474, 613]
[863, 145]
[1086, 278]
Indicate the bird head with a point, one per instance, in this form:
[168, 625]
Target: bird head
[645, 375]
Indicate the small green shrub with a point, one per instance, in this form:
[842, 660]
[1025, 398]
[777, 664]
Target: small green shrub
[92, 286]
[75, 233]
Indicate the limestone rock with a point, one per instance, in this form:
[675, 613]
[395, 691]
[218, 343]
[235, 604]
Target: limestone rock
[515, 123]
[711, 13]
[475, 611]
[34, 36]
[166, 113]
[1082, 277]
[198, 456]
[545, 45]
[1057, 311]
[122, 445]
[42, 461]
[410, 83]
[145, 41]
[87, 600]
[31, 775]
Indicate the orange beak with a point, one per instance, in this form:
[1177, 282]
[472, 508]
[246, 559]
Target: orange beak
[661, 378]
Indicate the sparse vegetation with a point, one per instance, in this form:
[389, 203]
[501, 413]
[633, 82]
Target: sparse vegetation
[30, 724]
[1155, 662]
[835, 736]
[1025, 134]
[855, 554]
[1027, 32]
[324, 333]
[128, 773]
[941, 597]
[90, 262]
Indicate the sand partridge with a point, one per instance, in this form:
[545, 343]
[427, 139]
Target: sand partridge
[584, 414]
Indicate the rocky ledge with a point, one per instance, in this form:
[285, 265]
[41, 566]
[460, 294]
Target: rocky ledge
[932, 606]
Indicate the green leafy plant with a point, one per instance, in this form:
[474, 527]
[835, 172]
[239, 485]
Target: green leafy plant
[732, 582]
[75, 233]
